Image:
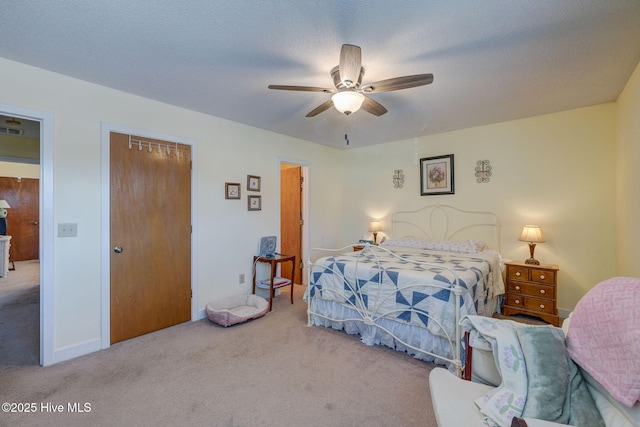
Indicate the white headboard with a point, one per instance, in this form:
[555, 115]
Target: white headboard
[443, 222]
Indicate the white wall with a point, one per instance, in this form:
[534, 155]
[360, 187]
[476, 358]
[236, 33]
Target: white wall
[228, 233]
[628, 178]
[556, 170]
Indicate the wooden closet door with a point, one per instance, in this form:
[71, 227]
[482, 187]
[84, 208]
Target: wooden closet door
[151, 223]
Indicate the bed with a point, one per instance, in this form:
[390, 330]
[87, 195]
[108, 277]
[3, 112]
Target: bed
[410, 292]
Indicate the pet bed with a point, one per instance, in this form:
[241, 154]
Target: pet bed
[237, 309]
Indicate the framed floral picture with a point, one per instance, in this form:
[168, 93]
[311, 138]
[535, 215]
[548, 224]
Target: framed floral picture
[436, 175]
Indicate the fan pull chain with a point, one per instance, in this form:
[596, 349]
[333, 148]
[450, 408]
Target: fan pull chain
[346, 138]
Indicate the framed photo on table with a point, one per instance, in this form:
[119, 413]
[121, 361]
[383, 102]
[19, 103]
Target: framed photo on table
[231, 190]
[255, 203]
[436, 175]
[253, 183]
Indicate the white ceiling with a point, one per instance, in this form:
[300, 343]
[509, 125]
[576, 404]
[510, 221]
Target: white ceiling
[492, 60]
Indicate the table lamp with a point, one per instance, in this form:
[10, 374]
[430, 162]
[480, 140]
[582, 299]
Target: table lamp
[374, 227]
[532, 234]
[3, 217]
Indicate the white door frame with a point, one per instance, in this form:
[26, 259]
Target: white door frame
[304, 170]
[105, 229]
[46, 224]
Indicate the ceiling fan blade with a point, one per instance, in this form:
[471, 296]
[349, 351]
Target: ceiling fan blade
[398, 83]
[350, 64]
[302, 88]
[320, 108]
[373, 107]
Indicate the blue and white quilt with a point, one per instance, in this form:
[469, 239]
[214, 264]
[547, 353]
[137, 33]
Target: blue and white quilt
[410, 286]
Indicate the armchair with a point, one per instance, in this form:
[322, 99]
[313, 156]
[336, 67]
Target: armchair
[590, 325]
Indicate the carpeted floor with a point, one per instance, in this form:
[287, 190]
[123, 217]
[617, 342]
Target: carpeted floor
[20, 315]
[272, 371]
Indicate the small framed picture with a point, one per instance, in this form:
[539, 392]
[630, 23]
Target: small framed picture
[436, 175]
[253, 183]
[231, 190]
[255, 203]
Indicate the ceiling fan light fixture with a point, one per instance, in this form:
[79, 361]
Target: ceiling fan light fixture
[348, 101]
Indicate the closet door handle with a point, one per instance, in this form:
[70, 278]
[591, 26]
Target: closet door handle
[117, 249]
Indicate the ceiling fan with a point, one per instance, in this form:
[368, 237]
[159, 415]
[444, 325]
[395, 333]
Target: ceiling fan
[348, 94]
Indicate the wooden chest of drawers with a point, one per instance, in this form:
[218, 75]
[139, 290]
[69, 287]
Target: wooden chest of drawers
[531, 290]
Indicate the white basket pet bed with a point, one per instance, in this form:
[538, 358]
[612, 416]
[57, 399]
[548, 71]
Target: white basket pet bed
[236, 309]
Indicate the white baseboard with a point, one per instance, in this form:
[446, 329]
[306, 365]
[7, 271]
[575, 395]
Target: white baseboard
[77, 350]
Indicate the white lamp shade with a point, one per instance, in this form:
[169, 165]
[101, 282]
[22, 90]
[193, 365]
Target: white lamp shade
[347, 102]
[374, 226]
[532, 234]
[4, 204]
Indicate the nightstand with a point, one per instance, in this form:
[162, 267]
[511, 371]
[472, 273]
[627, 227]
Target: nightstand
[532, 290]
[275, 282]
[357, 248]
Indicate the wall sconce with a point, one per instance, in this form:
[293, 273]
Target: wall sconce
[533, 235]
[375, 227]
[3, 217]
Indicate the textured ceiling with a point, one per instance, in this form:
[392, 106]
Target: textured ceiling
[492, 60]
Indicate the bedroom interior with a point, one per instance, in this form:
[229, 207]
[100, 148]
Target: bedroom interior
[538, 116]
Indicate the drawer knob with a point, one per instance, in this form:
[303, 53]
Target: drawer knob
[517, 288]
[517, 301]
[517, 273]
[541, 305]
[542, 277]
[542, 291]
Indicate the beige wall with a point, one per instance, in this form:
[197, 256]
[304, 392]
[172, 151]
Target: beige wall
[23, 170]
[628, 178]
[26, 149]
[556, 170]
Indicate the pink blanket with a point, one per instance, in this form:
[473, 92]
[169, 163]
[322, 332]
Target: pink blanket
[604, 337]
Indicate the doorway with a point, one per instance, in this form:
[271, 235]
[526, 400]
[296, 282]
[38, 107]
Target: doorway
[20, 286]
[29, 160]
[293, 196]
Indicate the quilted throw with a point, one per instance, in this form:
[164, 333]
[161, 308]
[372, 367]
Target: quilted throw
[604, 336]
[381, 284]
[539, 380]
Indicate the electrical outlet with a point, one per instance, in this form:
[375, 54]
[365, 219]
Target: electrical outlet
[68, 229]
[241, 279]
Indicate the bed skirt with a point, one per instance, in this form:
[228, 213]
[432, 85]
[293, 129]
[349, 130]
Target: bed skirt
[420, 339]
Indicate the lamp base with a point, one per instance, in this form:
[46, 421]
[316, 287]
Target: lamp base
[532, 261]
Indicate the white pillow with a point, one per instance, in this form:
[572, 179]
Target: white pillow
[458, 246]
[407, 242]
